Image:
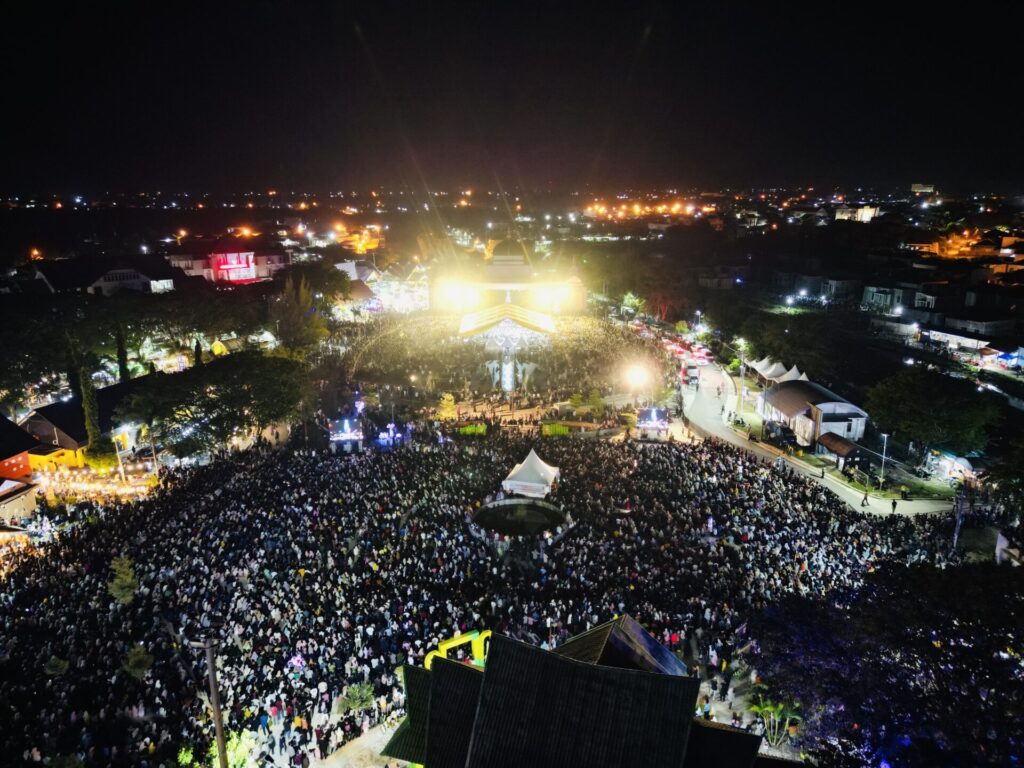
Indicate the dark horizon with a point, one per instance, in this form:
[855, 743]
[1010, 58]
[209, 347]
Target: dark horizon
[317, 96]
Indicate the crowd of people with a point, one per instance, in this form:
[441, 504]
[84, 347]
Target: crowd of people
[318, 572]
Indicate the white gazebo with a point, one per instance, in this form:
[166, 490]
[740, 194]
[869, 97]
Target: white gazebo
[532, 477]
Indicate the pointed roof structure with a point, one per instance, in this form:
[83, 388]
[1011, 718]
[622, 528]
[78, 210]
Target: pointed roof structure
[760, 364]
[793, 374]
[773, 371]
[578, 707]
[531, 477]
[804, 377]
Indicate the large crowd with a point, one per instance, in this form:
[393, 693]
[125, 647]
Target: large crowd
[320, 571]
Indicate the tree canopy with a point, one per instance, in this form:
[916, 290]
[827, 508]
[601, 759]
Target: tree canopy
[933, 409]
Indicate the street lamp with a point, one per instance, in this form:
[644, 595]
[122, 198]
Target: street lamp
[885, 444]
[209, 644]
[637, 376]
[742, 391]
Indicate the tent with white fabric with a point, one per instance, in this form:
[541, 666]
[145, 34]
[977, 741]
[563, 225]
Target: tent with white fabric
[774, 371]
[532, 477]
[793, 374]
[761, 364]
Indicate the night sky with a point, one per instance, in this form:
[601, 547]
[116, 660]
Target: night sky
[250, 95]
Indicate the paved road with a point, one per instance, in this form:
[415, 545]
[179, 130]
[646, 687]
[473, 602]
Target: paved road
[704, 409]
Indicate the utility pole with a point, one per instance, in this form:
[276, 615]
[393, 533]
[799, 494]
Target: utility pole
[885, 444]
[210, 645]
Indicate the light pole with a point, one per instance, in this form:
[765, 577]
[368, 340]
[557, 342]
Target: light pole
[885, 444]
[209, 645]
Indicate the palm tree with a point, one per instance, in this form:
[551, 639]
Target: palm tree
[777, 719]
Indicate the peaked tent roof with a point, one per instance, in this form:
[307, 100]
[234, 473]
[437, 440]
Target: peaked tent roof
[793, 374]
[531, 477]
[721, 746]
[773, 371]
[622, 642]
[804, 377]
[760, 364]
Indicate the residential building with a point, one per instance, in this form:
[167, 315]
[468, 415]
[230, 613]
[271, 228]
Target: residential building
[106, 276]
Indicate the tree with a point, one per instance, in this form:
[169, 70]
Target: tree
[933, 409]
[299, 324]
[446, 407]
[100, 449]
[124, 585]
[777, 718]
[576, 400]
[202, 409]
[137, 662]
[596, 403]
[633, 303]
[55, 666]
[358, 696]
[146, 405]
[682, 327]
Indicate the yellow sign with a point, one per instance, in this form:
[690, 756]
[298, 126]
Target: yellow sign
[478, 647]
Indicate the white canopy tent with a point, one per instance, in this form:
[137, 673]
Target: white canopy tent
[773, 371]
[532, 477]
[793, 374]
[760, 364]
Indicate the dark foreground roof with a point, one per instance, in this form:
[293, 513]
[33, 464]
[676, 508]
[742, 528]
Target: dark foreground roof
[14, 439]
[409, 741]
[713, 745]
[622, 642]
[454, 691]
[539, 709]
[532, 707]
[838, 444]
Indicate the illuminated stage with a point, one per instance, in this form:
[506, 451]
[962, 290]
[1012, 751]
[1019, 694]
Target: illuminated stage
[509, 305]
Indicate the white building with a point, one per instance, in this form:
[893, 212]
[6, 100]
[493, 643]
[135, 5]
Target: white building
[810, 411]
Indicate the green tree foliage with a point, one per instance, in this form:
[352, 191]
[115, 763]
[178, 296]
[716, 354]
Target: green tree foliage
[682, 327]
[241, 748]
[200, 410]
[576, 400]
[446, 407]
[100, 451]
[124, 585]
[596, 403]
[299, 324]
[633, 303]
[137, 662]
[777, 718]
[323, 278]
[55, 666]
[358, 697]
[933, 409]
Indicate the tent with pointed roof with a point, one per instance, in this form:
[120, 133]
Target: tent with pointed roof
[532, 477]
[804, 377]
[773, 371]
[760, 364]
[793, 374]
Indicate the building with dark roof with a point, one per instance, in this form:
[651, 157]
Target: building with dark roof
[108, 275]
[15, 443]
[810, 411]
[63, 423]
[603, 698]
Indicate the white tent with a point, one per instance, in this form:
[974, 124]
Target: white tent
[773, 371]
[532, 477]
[803, 377]
[761, 364]
[793, 374]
